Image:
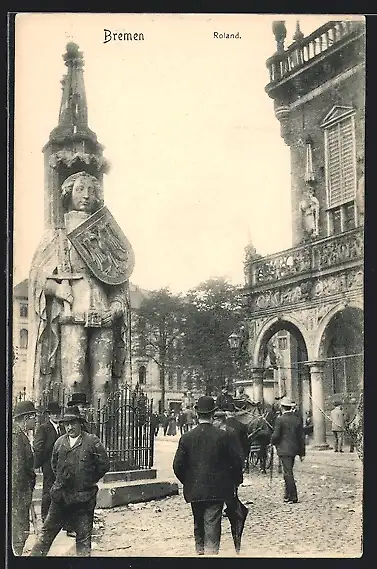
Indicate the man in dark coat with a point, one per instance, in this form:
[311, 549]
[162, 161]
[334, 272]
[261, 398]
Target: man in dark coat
[209, 466]
[44, 440]
[23, 475]
[240, 430]
[289, 439]
[78, 460]
[225, 401]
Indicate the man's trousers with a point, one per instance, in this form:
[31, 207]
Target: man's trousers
[20, 521]
[207, 526]
[79, 516]
[290, 493]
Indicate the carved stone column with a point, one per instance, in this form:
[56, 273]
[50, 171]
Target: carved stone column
[257, 376]
[319, 423]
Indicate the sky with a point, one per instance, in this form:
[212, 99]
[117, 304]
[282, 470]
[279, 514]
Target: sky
[198, 167]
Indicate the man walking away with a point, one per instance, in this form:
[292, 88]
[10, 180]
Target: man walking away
[240, 429]
[288, 437]
[23, 475]
[165, 422]
[44, 441]
[209, 466]
[337, 426]
[78, 460]
[181, 421]
[190, 418]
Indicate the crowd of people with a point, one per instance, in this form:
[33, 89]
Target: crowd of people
[210, 461]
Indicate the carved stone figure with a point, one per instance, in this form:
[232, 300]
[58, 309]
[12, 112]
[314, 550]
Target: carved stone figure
[309, 208]
[78, 320]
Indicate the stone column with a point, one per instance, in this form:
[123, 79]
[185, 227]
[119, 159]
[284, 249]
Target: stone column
[257, 376]
[319, 422]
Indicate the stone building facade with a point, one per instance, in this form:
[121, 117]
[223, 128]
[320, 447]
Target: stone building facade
[314, 291]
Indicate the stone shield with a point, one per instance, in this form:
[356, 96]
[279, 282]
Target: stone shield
[101, 243]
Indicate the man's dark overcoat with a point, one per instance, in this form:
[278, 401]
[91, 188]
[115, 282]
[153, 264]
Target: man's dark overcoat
[44, 440]
[241, 432]
[288, 435]
[78, 468]
[208, 464]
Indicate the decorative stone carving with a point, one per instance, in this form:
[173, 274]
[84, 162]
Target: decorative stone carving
[77, 322]
[343, 248]
[281, 266]
[309, 208]
[283, 296]
[316, 256]
[250, 255]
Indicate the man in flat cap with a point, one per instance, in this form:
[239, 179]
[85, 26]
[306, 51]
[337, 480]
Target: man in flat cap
[44, 440]
[209, 465]
[78, 460]
[23, 474]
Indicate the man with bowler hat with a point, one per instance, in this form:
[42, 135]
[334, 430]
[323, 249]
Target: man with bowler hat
[78, 460]
[46, 435]
[289, 439]
[79, 400]
[209, 465]
[23, 475]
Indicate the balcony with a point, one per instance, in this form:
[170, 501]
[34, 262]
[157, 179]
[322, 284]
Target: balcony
[322, 41]
[319, 257]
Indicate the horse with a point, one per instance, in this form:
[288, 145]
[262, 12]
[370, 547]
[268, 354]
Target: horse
[260, 422]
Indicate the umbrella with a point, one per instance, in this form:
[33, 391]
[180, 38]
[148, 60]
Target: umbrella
[236, 512]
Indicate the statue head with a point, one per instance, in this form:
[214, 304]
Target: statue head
[81, 192]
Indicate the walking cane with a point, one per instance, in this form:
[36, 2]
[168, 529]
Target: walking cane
[272, 463]
[34, 519]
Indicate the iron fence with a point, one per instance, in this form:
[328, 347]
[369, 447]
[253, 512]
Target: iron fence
[122, 423]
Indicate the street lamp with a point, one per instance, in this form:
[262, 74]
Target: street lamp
[234, 341]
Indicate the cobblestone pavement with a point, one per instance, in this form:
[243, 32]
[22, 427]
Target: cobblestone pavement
[327, 521]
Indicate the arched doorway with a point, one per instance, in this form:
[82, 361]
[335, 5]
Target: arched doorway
[280, 355]
[342, 348]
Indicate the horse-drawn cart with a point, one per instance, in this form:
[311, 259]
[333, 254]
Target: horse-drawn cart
[260, 423]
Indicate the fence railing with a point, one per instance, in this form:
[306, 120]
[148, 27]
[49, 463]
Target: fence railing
[302, 51]
[122, 423]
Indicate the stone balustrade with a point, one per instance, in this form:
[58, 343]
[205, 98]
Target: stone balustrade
[300, 52]
[307, 260]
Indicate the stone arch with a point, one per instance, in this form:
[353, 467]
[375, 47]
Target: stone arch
[319, 340]
[270, 328]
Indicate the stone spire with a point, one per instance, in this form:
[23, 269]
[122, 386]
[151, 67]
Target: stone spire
[73, 114]
[298, 35]
[72, 147]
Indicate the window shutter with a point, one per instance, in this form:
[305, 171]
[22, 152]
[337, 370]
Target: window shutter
[334, 166]
[347, 160]
[341, 163]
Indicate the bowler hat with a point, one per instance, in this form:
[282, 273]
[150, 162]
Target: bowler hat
[205, 404]
[286, 402]
[77, 398]
[24, 408]
[53, 407]
[72, 413]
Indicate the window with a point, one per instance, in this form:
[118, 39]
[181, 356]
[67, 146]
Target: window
[142, 375]
[23, 310]
[179, 379]
[23, 338]
[283, 343]
[340, 150]
[170, 379]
